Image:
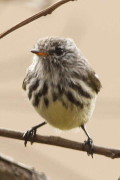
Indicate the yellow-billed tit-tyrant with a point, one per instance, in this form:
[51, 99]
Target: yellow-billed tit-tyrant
[61, 85]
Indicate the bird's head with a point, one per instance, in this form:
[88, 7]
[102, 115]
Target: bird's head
[56, 51]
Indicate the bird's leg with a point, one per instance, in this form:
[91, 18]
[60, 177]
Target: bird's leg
[31, 133]
[88, 143]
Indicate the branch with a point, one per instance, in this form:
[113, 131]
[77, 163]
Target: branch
[9, 169]
[44, 12]
[58, 141]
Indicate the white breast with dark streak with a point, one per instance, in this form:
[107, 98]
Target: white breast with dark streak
[62, 113]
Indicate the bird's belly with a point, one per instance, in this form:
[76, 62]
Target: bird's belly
[65, 117]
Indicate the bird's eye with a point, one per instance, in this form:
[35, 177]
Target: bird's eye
[59, 51]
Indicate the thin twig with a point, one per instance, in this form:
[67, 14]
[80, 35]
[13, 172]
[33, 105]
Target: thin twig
[58, 141]
[45, 12]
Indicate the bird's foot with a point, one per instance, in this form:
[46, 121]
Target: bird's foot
[29, 135]
[89, 145]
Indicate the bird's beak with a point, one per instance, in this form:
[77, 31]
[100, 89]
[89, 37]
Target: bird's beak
[35, 51]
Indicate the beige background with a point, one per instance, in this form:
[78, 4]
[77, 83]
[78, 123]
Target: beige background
[95, 27]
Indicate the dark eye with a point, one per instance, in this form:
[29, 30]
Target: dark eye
[59, 51]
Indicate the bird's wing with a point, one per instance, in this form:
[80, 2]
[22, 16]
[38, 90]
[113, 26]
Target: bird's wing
[94, 81]
[24, 84]
[26, 80]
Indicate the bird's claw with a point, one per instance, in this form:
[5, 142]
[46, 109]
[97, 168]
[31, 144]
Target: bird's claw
[89, 144]
[29, 136]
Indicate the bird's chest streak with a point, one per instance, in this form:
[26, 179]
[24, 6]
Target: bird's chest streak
[61, 108]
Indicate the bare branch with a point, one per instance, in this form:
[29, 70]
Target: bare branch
[45, 12]
[61, 142]
[9, 169]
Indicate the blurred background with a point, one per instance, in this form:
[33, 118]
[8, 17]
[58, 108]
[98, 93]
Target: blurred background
[95, 27]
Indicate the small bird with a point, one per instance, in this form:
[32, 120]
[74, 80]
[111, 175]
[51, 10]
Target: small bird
[61, 85]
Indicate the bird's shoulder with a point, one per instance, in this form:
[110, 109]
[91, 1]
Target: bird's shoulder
[24, 84]
[26, 80]
[86, 73]
[94, 81]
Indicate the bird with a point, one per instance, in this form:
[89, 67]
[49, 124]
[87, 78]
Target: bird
[61, 85]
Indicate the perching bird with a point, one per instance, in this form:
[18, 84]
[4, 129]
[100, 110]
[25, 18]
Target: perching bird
[61, 85]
